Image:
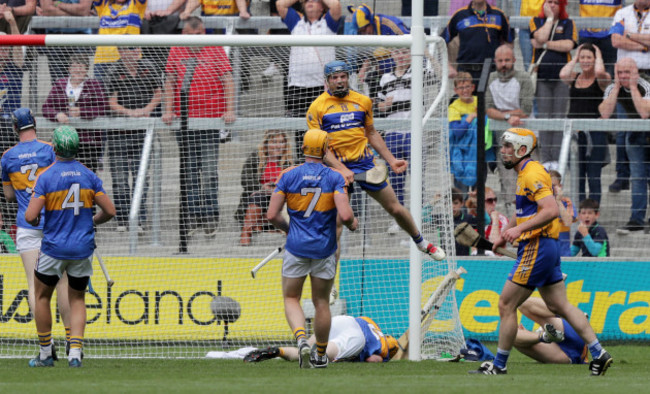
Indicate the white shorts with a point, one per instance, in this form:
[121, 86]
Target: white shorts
[48, 265]
[28, 239]
[346, 334]
[299, 267]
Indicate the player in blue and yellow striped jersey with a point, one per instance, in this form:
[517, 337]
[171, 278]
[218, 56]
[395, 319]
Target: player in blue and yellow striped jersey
[535, 226]
[347, 118]
[21, 164]
[351, 339]
[67, 191]
[315, 194]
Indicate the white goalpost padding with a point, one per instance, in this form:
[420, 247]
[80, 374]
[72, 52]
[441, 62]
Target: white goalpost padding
[165, 304]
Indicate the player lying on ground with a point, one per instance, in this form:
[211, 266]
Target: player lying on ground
[555, 342]
[351, 339]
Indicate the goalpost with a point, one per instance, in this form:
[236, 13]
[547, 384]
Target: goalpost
[187, 179]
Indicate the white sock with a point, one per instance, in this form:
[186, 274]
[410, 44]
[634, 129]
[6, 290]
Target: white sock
[74, 353]
[422, 245]
[46, 351]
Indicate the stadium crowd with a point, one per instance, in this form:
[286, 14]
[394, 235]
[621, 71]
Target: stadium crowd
[88, 86]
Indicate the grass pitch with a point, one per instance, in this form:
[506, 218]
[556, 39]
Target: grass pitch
[630, 371]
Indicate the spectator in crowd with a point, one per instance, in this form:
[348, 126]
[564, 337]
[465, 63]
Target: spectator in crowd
[351, 339]
[347, 117]
[79, 97]
[163, 8]
[586, 92]
[455, 5]
[259, 174]
[201, 78]
[134, 91]
[462, 134]
[481, 30]
[633, 93]
[21, 165]
[11, 84]
[495, 221]
[508, 97]
[7, 244]
[601, 38]
[21, 14]
[305, 78]
[68, 240]
[528, 8]
[314, 222]
[57, 56]
[217, 8]
[567, 216]
[554, 342]
[553, 36]
[116, 17]
[160, 17]
[591, 238]
[460, 215]
[630, 34]
[374, 65]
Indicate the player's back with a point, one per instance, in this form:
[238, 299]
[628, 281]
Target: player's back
[69, 189]
[21, 165]
[533, 184]
[309, 190]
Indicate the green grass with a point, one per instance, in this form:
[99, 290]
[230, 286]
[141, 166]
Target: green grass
[630, 371]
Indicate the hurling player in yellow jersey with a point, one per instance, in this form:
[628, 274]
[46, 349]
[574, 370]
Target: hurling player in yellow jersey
[346, 116]
[535, 226]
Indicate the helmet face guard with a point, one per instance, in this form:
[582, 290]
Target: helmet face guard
[22, 119]
[65, 141]
[333, 67]
[315, 143]
[518, 137]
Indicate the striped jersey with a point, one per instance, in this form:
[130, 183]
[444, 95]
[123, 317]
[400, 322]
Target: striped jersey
[595, 9]
[399, 88]
[21, 164]
[219, 7]
[533, 184]
[376, 342]
[117, 19]
[69, 189]
[344, 120]
[309, 191]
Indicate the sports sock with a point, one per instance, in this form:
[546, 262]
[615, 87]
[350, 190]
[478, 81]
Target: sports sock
[543, 337]
[300, 334]
[321, 348]
[45, 342]
[421, 242]
[281, 352]
[67, 334]
[595, 348]
[501, 359]
[75, 347]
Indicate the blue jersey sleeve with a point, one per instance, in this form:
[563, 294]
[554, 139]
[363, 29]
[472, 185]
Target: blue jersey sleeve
[292, 18]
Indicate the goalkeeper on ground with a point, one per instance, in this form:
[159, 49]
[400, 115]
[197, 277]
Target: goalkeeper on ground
[351, 339]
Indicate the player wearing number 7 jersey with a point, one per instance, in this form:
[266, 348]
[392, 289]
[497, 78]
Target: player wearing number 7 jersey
[314, 194]
[67, 190]
[21, 164]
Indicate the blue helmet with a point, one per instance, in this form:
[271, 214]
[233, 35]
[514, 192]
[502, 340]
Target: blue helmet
[336, 66]
[23, 119]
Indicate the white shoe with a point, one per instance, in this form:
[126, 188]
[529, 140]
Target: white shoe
[393, 229]
[304, 353]
[436, 253]
[552, 333]
[271, 70]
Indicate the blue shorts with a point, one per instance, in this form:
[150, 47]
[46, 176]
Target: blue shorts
[573, 346]
[538, 263]
[359, 167]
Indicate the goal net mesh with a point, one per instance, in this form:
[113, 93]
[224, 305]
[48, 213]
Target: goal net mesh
[209, 129]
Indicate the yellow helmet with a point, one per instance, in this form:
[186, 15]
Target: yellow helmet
[315, 143]
[519, 137]
[393, 347]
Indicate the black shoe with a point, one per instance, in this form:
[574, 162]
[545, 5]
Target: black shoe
[262, 354]
[599, 366]
[619, 185]
[67, 350]
[487, 368]
[316, 360]
[632, 225]
[54, 356]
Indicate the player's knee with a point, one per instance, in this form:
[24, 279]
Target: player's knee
[48, 280]
[78, 284]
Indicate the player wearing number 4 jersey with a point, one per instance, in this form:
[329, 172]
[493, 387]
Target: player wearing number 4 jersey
[21, 164]
[67, 191]
[315, 194]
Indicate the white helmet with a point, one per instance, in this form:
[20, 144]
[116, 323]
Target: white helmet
[519, 137]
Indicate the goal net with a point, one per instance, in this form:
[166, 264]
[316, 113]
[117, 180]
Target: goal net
[189, 142]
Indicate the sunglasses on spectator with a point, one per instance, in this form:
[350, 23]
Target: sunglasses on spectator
[491, 200]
